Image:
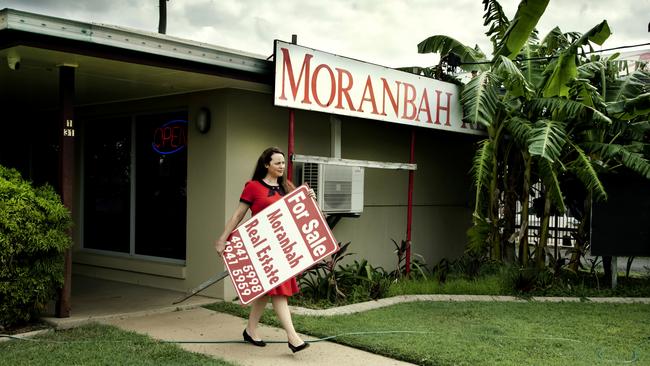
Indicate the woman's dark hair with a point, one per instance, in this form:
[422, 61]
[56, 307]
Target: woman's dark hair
[261, 170]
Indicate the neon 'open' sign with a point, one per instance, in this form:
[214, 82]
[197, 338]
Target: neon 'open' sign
[170, 137]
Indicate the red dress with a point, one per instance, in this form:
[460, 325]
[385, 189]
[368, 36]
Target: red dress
[259, 195]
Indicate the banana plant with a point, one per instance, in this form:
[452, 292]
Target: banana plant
[559, 111]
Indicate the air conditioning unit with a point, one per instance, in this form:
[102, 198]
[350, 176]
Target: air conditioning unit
[339, 189]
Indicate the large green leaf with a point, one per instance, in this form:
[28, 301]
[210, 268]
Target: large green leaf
[565, 71]
[622, 154]
[583, 92]
[479, 99]
[531, 67]
[525, 20]
[478, 236]
[597, 34]
[567, 110]
[547, 139]
[481, 172]
[514, 81]
[634, 132]
[520, 131]
[553, 41]
[552, 184]
[566, 68]
[497, 20]
[628, 87]
[584, 170]
[445, 45]
[632, 108]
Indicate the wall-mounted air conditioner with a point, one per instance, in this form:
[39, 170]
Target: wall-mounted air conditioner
[339, 189]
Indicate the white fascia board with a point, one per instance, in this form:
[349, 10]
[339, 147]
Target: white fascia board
[3, 19]
[135, 40]
[349, 162]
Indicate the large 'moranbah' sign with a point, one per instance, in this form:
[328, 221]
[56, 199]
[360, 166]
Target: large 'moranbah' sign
[314, 80]
[279, 242]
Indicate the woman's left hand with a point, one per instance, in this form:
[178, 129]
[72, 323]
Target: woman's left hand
[311, 192]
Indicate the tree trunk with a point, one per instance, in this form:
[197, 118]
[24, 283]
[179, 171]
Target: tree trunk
[524, 252]
[494, 198]
[510, 207]
[540, 252]
[581, 235]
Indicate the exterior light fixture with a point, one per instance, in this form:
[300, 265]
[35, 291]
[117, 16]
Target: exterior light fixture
[203, 120]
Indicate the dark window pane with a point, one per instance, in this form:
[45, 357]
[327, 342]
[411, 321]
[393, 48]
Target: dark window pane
[107, 184]
[161, 175]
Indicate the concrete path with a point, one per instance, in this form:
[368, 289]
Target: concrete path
[94, 300]
[205, 325]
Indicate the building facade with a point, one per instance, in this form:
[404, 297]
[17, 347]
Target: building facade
[166, 132]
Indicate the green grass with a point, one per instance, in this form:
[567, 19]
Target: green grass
[490, 333]
[97, 345]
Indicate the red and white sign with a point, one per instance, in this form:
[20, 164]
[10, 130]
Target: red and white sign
[278, 243]
[319, 81]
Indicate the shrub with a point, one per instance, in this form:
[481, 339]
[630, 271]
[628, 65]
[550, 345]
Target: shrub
[33, 236]
[329, 282]
[417, 268]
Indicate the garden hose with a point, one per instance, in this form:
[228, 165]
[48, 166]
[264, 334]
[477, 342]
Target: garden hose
[600, 354]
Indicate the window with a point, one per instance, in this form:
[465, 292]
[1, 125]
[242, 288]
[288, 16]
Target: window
[161, 182]
[135, 171]
[107, 176]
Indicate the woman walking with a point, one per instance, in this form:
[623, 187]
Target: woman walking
[267, 186]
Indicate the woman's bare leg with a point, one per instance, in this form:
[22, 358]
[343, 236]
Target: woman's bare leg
[281, 307]
[257, 309]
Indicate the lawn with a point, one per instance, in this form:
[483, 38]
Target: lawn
[98, 345]
[490, 333]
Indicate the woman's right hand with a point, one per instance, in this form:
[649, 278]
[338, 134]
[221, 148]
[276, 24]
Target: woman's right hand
[220, 246]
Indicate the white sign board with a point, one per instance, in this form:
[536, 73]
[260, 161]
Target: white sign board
[279, 242]
[319, 81]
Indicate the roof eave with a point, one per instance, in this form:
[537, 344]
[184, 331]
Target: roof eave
[133, 40]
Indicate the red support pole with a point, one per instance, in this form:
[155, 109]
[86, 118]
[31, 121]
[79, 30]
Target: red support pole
[409, 207]
[290, 150]
[291, 145]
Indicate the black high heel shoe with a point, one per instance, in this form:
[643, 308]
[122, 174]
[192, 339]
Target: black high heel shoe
[250, 340]
[295, 349]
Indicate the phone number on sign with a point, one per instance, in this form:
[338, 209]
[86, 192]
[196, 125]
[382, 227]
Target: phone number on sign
[242, 272]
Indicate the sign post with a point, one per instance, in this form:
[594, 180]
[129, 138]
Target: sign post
[281, 241]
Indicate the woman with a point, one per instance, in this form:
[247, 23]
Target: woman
[267, 186]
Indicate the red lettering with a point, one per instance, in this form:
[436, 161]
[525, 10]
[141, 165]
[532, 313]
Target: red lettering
[175, 136]
[344, 90]
[314, 85]
[304, 71]
[409, 101]
[371, 99]
[439, 108]
[157, 137]
[166, 136]
[424, 101]
[393, 100]
[170, 137]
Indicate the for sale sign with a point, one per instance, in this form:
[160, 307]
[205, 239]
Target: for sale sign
[279, 242]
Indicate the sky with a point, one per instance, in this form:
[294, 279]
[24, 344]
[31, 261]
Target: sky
[384, 32]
